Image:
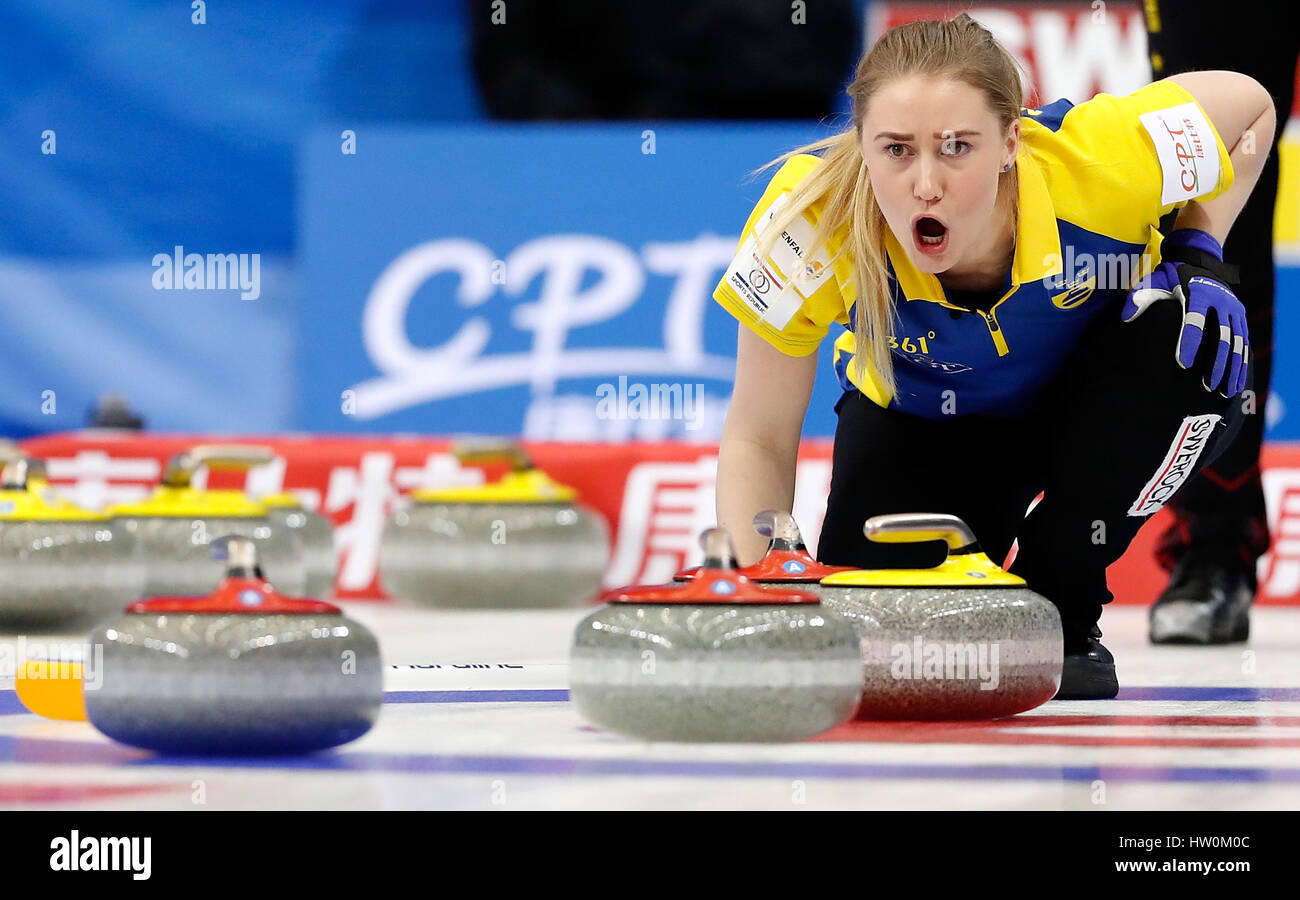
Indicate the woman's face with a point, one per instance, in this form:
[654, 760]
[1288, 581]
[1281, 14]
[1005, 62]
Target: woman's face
[934, 152]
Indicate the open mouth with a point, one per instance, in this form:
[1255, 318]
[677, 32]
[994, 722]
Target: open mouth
[931, 235]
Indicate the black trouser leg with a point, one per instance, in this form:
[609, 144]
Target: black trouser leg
[1221, 515]
[1121, 425]
[886, 461]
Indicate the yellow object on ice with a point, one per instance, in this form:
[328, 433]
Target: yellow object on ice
[52, 689]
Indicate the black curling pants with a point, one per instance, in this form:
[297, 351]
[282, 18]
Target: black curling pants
[1220, 515]
[1116, 424]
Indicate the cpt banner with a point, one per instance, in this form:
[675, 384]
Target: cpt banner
[656, 497]
[529, 279]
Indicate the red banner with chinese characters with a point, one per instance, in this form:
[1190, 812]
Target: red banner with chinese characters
[656, 497]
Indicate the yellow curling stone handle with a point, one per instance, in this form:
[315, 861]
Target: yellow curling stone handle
[480, 451]
[965, 567]
[524, 483]
[178, 498]
[21, 471]
[181, 467]
[10, 452]
[26, 495]
[17, 468]
[911, 528]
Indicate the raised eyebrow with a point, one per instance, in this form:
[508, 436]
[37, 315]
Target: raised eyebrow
[944, 135]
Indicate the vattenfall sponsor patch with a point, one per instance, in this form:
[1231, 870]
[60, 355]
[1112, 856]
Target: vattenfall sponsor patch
[761, 282]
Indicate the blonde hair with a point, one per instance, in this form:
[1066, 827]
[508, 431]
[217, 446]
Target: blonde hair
[958, 48]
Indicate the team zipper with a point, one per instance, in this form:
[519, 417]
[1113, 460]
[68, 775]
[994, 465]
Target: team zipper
[990, 319]
[995, 331]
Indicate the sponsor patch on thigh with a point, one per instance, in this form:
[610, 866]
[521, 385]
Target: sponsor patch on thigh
[1177, 465]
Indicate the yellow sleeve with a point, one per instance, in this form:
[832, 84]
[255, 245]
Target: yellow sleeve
[790, 297]
[1137, 157]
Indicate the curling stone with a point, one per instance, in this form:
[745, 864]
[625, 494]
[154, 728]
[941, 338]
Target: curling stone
[175, 525]
[245, 670]
[963, 640]
[716, 658]
[315, 536]
[787, 560]
[61, 567]
[522, 541]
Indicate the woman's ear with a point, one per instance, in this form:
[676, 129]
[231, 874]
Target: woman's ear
[1012, 145]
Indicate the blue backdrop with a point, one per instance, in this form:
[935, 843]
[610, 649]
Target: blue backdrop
[605, 258]
[166, 132]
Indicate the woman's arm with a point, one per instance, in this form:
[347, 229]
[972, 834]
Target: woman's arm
[760, 440]
[1241, 111]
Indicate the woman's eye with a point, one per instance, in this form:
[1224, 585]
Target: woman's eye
[955, 148]
[889, 150]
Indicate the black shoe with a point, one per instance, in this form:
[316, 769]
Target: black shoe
[1206, 602]
[1088, 672]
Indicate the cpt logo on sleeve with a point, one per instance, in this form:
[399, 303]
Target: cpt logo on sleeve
[1178, 463]
[761, 282]
[1187, 149]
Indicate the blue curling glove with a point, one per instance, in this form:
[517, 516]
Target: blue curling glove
[1192, 271]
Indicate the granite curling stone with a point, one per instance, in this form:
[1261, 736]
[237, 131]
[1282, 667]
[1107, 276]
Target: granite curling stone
[174, 526]
[716, 658]
[61, 567]
[787, 560]
[963, 640]
[523, 541]
[315, 536]
[243, 671]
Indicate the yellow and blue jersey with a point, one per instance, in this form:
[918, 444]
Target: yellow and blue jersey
[1094, 180]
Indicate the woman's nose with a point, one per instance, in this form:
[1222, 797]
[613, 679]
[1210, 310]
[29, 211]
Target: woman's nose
[927, 182]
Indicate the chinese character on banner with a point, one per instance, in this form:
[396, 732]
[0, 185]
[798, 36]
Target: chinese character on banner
[1279, 569]
[666, 506]
[96, 478]
[371, 489]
